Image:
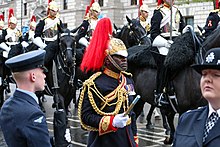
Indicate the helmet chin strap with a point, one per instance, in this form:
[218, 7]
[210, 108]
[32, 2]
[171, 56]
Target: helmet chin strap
[114, 63]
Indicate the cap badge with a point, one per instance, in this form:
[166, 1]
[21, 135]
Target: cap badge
[210, 57]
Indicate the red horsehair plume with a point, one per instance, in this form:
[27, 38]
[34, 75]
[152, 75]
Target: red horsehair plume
[33, 18]
[159, 2]
[95, 53]
[10, 14]
[1, 17]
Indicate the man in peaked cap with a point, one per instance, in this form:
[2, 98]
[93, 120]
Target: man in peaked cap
[21, 119]
[200, 127]
[108, 93]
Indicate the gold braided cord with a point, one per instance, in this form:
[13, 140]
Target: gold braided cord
[85, 84]
[120, 92]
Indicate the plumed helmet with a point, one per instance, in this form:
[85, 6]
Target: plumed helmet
[11, 17]
[98, 49]
[117, 47]
[1, 20]
[144, 7]
[53, 6]
[33, 21]
[96, 7]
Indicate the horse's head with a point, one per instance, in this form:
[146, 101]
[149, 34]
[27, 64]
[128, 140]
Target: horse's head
[67, 44]
[137, 32]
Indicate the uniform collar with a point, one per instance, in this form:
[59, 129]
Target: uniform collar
[166, 5]
[33, 95]
[111, 73]
[212, 110]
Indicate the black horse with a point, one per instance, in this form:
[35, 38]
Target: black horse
[185, 80]
[132, 33]
[63, 52]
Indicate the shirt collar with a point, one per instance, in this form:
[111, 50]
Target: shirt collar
[212, 110]
[33, 95]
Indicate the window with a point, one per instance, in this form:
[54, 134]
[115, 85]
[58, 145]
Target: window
[100, 3]
[65, 4]
[133, 2]
[25, 9]
[189, 20]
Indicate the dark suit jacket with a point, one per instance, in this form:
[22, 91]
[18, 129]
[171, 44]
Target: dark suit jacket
[190, 130]
[23, 123]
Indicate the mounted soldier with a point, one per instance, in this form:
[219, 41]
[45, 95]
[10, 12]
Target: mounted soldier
[2, 25]
[11, 35]
[29, 36]
[89, 23]
[144, 13]
[47, 29]
[166, 24]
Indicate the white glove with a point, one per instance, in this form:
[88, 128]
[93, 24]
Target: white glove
[168, 43]
[5, 47]
[24, 44]
[84, 41]
[187, 28]
[38, 41]
[120, 120]
[7, 36]
[67, 135]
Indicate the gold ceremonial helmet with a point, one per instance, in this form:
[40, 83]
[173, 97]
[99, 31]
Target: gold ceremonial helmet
[96, 7]
[53, 6]
[13, 20]
[144, 7]
[117, 47]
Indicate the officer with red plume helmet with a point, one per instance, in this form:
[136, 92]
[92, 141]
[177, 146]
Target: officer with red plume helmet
[108, 93]
[160, 34]
[47, 29]
[11, 35]
[29, 36]
[89, 23]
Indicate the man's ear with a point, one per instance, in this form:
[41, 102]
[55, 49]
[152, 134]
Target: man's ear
[32, 76]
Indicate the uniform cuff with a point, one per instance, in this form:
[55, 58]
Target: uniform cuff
[136, 140]
[105, 125]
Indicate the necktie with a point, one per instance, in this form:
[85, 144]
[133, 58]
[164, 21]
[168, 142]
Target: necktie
[210, 123]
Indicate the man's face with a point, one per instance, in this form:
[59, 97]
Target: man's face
[144, 14]
[95, 13]
[12, 25]
[40, 79]
[169, 1]
[210, 86]
[121, 61]
[53, 13]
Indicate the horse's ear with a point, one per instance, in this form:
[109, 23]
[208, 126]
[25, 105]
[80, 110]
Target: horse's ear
[128, 19]
[116, 28]
[200, 28]
[60, 28]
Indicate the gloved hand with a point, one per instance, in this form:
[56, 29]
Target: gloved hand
[120, 120]
[168, 43]
[24, 44]
[7, 36]
[38, 41]
[5, 47]
[67, 135]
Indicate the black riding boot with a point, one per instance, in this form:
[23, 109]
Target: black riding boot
[161, 80]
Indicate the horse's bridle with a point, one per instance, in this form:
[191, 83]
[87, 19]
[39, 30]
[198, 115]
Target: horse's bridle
[137, 38]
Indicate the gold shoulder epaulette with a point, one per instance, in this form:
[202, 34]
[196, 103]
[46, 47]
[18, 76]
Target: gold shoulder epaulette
[127, 73]
[216, 10]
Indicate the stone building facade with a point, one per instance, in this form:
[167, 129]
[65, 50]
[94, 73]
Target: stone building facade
[72, 11]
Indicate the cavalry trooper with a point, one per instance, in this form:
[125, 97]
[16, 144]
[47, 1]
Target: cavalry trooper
[160, 34]
[29, 36]
[11, 35]
[144, 12]
[48, 28]
[108, 93]
[88, 25]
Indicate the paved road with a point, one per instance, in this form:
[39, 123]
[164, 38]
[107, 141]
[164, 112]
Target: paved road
[147, 138]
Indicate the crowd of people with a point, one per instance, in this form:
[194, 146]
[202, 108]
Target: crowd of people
[106, 96]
